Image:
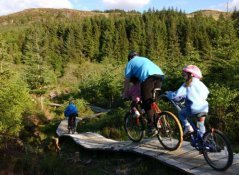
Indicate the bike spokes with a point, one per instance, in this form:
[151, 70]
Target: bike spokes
[134, 127]
[217, 150]
[169, 131]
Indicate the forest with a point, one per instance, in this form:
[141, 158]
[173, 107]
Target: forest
[48, 56]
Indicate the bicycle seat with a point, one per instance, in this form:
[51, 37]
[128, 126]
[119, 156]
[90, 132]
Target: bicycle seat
[201, 114]
[155, 91]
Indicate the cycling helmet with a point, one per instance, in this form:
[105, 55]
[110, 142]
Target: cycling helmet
[194, 70]
[132, 54]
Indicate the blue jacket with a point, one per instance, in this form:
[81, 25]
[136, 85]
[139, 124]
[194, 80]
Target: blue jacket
[71, 110]
[141, 68]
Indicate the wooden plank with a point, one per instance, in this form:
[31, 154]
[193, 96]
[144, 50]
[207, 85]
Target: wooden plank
[186, 159]
[233, 170]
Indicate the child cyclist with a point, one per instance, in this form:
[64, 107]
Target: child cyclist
[71, 112]
[134, 94]
[195, 93]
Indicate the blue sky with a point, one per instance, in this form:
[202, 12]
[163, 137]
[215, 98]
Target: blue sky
[188, 6]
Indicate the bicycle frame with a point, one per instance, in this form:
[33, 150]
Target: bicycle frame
[195, 137]
[213, 144]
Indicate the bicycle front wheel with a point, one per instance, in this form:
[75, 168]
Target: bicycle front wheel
[217, 150]
[134, 127]
[170, 133]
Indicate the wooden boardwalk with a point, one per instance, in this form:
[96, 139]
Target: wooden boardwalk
[186, 159]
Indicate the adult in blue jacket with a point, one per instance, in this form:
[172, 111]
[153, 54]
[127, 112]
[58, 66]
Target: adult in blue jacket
[150, 77]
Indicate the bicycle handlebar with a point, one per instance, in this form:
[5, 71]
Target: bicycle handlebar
[177, 104]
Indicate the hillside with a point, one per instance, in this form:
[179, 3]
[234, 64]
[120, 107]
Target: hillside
[45, 14]
[49, 14]
[213, 13]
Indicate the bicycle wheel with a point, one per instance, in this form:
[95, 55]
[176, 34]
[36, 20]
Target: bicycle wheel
[170, 133]
[134, 127]
[217, 150]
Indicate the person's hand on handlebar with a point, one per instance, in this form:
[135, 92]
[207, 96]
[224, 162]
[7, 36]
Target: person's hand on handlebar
[170, 94]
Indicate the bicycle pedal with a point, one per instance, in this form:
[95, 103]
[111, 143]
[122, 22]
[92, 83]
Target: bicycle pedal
[152, 133]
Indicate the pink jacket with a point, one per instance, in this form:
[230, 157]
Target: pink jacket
[134, 92]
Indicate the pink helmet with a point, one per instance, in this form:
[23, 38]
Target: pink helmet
[193, 70]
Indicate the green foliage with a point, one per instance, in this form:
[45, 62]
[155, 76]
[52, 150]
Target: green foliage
[3, 53]
[85, 57]
[220, 99]
[14, 101]
[109, 125]
[34, 59]
[224, 109]
[104, 87]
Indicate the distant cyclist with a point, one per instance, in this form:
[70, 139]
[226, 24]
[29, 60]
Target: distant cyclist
[195, 94]
[150, 77]
[71, 112]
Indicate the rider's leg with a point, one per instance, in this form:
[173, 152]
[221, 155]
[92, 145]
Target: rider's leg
[201, 126]
[147, 88]
[69, 120]
[183, 115]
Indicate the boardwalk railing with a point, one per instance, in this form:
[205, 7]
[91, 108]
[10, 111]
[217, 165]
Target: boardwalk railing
[186, 159]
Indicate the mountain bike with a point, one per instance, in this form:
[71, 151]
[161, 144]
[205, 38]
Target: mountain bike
[214, 145]
[71, 124]
[169, 130]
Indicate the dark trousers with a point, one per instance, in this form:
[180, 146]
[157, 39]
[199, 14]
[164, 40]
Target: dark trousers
[147, 87]
[72, 119]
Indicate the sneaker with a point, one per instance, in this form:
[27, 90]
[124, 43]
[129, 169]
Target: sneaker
[152, 132]
[188, 130]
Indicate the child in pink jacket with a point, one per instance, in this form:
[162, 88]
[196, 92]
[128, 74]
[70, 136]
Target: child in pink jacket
[135, 95]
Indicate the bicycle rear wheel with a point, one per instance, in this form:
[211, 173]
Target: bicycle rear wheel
[170, 133]
[217, 150]
[134, 127]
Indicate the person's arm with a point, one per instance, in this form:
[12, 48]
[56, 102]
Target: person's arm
[180, 93]
[66, 111]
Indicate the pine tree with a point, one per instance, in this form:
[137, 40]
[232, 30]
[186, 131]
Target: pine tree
[134, 32]
[3, 53]
[88, 40]
[107, 38]
[36, 73]
[14, 101]
[174, 54]
[121, 42]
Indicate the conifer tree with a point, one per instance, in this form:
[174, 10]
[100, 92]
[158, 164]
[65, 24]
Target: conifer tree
[121, 42]
[3, 53]
[14, 101]
[134, 32]
[36, 73]
[96, 32]
[107, 38]
[174, 54]
[88, 40]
